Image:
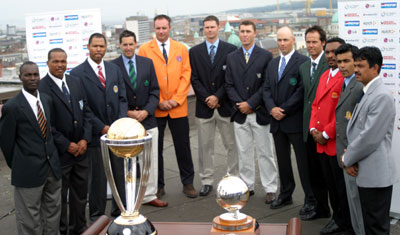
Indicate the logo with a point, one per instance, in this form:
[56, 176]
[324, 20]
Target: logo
[370, 14]
[388, 75]
[39, 42]
[56, 41]
[389, 5]
[71, 40]
[389, 57]
[86, 16]
[56, 33]
[370, 40]
[352, 23]
[71, 32]
[370, 31]
[369, 23]
[334, 95]
[54, 18]
[38, 27]
[36, 20]
[73, 25]
[369, 6]
[39, 49]
[388, 31]
[55, 26]
[41, 64]
[389, 66]
[351, 15]
[351, 31]
[388, 14]
[388, 49]
[388, 40]
[179, 58]
[351, 6]
[39, 35]
[71, 17]
[352, 40]
[388, 22]
[85, 47]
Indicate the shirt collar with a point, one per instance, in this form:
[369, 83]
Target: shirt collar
[57, 80]
[166, 42]
[317, 59]
[250, 50]
[288, 56]
[333, 73]
[216, 43]
[126, 59]
[366, 87]
[94, 65]
[32, 100]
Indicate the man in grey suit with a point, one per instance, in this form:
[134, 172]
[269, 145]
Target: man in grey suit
[369, 132]
[351, 91]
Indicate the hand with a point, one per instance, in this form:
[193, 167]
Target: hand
[105, 129]
[164, 106]
[141, 115]
[212, 102]
[73, 149]
[82, 146]
[132, 114]
[244, 107]
[319, 137]
[277, 113]
[352, 170]
[173, 103]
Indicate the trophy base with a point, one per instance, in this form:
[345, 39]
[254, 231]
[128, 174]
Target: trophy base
[245, 226]
[131, 226]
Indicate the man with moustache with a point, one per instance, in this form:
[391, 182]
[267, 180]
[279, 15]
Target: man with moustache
[213, 108]
[351, 91]
[28, 146]
[323, 129]
[143, 95]
[72, 130]
[283, 97]
[171, 62]
[244, 79]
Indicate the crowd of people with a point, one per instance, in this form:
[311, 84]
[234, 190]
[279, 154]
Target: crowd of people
[332, 107]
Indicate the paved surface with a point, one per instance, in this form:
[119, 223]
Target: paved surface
[181, 208]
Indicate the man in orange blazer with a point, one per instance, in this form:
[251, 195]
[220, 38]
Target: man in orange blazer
[323, 130]
[171, 62]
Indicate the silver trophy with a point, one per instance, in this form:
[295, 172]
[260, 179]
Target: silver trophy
[127, 139]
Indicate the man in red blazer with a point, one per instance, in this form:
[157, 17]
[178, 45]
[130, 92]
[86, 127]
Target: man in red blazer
[323, 129]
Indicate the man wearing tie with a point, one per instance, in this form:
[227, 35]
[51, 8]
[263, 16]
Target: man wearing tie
[244, 79]
[72, 130]
[171, 61]
[369, 156]
[28, 146]
[283, 97]
[106, 95]
[143, 95]
[213, 108]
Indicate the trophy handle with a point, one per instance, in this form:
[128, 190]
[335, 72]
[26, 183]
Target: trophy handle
[144, 178]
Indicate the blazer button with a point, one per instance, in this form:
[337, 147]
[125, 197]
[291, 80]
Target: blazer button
[165, 78]
[166, 92]
[319, 108]
[247, 88]
[75, 122]
[213, 83]
[48, 157]
[134, 97]
[317, 122]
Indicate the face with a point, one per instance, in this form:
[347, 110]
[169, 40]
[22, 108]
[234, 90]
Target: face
[211, 30]
[30, 78]
[345, 62]
[128, 46]
[57, 64]
[247, 35]
[97, 49]
[285, 40]
[162, 29]
[314, 44]
[364, 73]
[330, 54]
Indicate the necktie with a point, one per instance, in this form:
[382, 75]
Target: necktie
[314, 68]
[164, 52]
[361, 96]
[212, 53]
[246, 57]
[344, 86]
[41, 120]
[66, 93]
[101, 77]
[132, 74]
[282, 68]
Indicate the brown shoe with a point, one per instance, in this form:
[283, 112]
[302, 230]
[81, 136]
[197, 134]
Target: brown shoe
[189, 190]
[157, 203]
[270, 198]
[160, 193]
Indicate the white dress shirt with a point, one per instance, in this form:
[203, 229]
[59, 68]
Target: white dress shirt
[95, 67]
[32, 100]
[167, 46]
[59, 82]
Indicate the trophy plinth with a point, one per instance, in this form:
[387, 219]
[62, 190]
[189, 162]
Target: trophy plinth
[232, 195]
[127, 139]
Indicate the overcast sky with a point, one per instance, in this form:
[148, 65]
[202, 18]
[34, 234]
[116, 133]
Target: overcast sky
[13, 11]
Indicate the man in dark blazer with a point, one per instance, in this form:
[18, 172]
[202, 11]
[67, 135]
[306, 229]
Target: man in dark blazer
[143, 95]
[283, 97]
[310, 72]
[28, 147]
[351, 92]
[244, 79]
[213, 108]
[106, 96]
[72, 130]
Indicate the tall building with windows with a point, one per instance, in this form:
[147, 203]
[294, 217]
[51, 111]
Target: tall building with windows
[140, 25]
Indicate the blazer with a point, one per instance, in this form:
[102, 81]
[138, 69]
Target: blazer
[29, 156]
[70, 123]
[244, 82]
[287, 93]
[107, 104]
[173, 77]
[343, 112]
[323, 110]
[209, 79]
[310, 88]
[147, 93]
[370, 138]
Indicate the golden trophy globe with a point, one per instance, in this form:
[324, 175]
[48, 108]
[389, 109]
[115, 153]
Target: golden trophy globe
[127, 139]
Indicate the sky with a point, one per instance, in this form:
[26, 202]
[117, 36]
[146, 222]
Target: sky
[13, 11]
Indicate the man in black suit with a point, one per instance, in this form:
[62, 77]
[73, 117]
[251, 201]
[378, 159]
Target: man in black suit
[244, 77]
[28, 147]
[283, 97]
[143, 95]
[213, 108]
[106, 96]
[72, 130]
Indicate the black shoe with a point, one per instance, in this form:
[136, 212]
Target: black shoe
[205, 190]
[312, 215]
[331, 228]
[251, 193]
[279, 203]
[307, 208]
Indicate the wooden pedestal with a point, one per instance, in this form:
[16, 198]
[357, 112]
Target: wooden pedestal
[242, 227]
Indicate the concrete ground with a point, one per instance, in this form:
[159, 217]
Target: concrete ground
[181, 208]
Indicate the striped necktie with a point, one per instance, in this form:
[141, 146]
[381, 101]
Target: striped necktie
[212, 53]
[66, 93]
[41, 120]
[246, 57]
[164, 52]
[101, 77]
[314, 68]
[132, 74]
[282, 68]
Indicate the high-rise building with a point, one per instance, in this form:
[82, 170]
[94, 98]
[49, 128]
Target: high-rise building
[140, 25]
